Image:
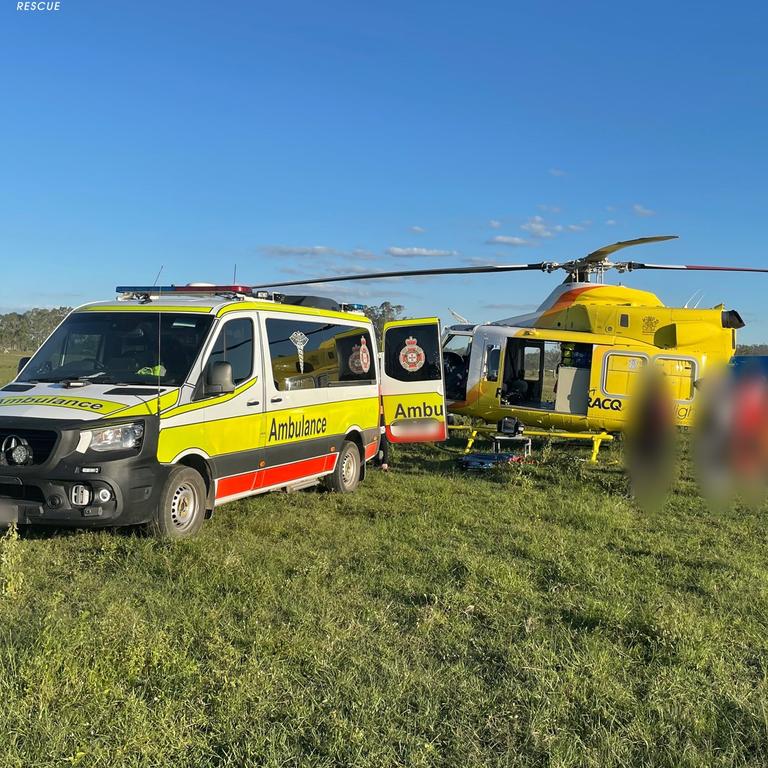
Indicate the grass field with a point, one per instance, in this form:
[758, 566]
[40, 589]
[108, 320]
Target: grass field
[9, 362]
[532, 617]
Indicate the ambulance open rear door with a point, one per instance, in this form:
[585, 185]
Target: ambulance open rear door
[412, 387]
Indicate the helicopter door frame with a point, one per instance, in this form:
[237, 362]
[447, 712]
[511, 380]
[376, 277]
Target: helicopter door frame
[509, 362]
[414, 409]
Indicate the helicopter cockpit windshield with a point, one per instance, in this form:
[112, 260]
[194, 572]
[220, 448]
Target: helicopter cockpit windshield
[456, 353]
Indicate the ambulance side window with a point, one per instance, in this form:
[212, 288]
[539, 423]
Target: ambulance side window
[412, 353]
[313, 355]
[234, 345]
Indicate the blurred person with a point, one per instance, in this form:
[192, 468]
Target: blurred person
[650, 445]
[730, 442]
[748, 443]
[711, 438]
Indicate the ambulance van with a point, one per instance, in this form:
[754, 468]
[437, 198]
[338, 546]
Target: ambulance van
[158, 406]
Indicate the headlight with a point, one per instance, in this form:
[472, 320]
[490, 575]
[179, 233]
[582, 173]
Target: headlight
[121, 437]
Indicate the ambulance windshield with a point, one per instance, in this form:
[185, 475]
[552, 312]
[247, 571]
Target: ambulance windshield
[121, 348]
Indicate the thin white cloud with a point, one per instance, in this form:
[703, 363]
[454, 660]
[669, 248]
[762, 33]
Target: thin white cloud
[556, 172]
[409, 252]
[610, 222]
[478, 261]
[507, 240]
[378, 292]
[494, 224]
[299, 250]
[537, 227]
[307, 251]
[418, 230]
[550, 208]
[641, 210]
[575, 228]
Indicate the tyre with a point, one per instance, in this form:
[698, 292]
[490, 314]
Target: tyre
[346, 476]
[181, 509]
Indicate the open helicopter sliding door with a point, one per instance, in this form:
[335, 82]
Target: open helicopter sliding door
[412, 387]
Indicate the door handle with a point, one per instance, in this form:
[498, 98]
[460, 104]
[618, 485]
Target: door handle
[276, 400]
[252, 402]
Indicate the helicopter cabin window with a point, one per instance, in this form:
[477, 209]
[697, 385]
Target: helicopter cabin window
[620, 372]
[680, 374]
[547, 375]
[456, 352]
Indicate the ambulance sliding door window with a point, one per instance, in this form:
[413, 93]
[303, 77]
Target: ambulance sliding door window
[412, 353]
[307, 355]
[235, 346]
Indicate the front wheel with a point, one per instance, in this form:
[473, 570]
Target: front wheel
[346, 475]
[181, 509]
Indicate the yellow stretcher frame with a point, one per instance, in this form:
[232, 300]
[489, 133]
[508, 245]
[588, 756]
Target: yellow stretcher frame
[597, 438]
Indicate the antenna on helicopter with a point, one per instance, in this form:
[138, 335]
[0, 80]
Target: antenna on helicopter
[693, 296]
[458, 317]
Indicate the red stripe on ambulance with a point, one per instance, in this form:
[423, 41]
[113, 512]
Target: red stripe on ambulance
[264, 478]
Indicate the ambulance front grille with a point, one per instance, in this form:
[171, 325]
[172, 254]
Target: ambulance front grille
[41, 441]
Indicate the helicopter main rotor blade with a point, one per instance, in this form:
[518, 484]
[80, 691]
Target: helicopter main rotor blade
[632, 265]
[602, 253]
[410, 273]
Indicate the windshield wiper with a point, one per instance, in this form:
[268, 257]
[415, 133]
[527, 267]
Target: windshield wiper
[90, 379]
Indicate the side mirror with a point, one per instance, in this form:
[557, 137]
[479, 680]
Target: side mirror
[22, 363]
[219, 379]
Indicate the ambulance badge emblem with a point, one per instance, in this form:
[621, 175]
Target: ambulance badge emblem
[360, 359]
[412, 355]
[300, 340]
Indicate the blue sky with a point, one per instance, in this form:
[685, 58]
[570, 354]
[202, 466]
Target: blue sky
[305, 138]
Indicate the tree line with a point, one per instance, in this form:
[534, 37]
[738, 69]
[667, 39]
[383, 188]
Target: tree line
[26, 331]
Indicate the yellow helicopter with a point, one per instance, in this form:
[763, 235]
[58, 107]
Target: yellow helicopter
[573, 364]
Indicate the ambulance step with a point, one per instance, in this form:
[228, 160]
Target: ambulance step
[301, 485]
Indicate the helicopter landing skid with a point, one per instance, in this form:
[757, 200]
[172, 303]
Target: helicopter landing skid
[489, 433]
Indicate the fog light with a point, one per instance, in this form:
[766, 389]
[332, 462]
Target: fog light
[54, 502]
[15, 450]
[21, 454]
[104, 495]
[80, 495]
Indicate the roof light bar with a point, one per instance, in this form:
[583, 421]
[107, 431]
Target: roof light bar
[155, 290]
[358, 308]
